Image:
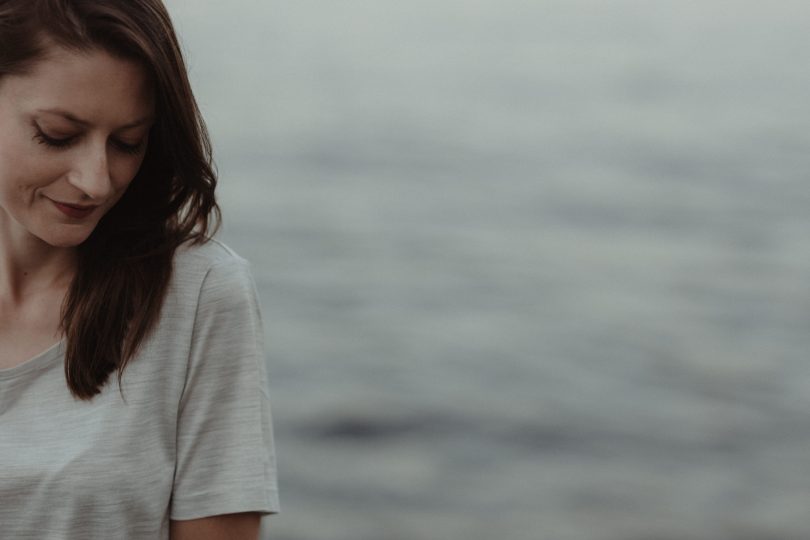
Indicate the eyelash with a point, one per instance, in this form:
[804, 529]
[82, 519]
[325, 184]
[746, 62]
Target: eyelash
[64, 143]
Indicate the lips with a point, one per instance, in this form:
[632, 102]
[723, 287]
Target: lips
[75, 211]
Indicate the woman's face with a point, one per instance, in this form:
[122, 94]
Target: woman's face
[73, 134]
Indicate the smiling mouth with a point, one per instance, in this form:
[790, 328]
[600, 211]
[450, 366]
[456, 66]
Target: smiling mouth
[76, 211]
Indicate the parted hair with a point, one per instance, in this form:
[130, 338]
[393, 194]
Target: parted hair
[125, 265]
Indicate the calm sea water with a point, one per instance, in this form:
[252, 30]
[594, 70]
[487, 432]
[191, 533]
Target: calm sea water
[530, 270]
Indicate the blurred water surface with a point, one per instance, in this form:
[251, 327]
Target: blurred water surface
[530, 270]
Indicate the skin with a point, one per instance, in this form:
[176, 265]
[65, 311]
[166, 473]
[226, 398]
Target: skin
[37, 241]
[115, 99]
[243, 526]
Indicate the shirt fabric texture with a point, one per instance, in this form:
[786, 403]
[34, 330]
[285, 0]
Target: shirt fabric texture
[192, 436]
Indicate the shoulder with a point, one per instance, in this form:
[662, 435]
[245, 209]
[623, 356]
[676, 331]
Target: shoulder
[197, 258]
[213, 259]
[211, 270]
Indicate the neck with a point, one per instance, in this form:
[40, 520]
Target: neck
[28, 265]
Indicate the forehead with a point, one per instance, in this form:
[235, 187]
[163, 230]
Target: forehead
[105, 90]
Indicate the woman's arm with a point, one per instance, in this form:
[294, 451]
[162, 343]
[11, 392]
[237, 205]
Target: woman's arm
[243, 526]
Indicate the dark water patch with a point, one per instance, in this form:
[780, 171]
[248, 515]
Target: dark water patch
[606, 442]
[749, 532]
[369, 428]
[551, 438]
[734, 533]
[741, 532]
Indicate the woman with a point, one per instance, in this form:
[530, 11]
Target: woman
[106, 265]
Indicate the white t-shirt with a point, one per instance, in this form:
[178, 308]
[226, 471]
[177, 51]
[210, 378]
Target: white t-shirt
[192, 436]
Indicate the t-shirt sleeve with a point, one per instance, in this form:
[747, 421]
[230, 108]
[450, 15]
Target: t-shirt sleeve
[225, 460]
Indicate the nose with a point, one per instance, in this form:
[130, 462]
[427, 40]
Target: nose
[91, 174]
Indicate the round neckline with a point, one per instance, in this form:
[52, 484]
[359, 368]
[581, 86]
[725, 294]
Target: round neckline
[40, 361]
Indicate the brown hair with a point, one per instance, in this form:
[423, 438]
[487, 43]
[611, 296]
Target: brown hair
[125, 265]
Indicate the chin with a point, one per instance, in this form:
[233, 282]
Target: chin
[66, 242]
[67, 238]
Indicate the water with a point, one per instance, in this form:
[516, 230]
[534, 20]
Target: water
[529, 270]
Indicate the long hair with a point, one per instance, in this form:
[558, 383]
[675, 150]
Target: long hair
[125, 265]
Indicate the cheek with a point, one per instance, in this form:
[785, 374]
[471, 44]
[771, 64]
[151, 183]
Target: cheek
[24, 168]
[17, 186]
[12, 163]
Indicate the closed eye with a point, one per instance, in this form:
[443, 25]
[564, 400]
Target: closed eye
[130, 148]
[50, 141]
[65, 143]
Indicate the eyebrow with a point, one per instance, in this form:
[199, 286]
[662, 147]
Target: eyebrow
[85, 123]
